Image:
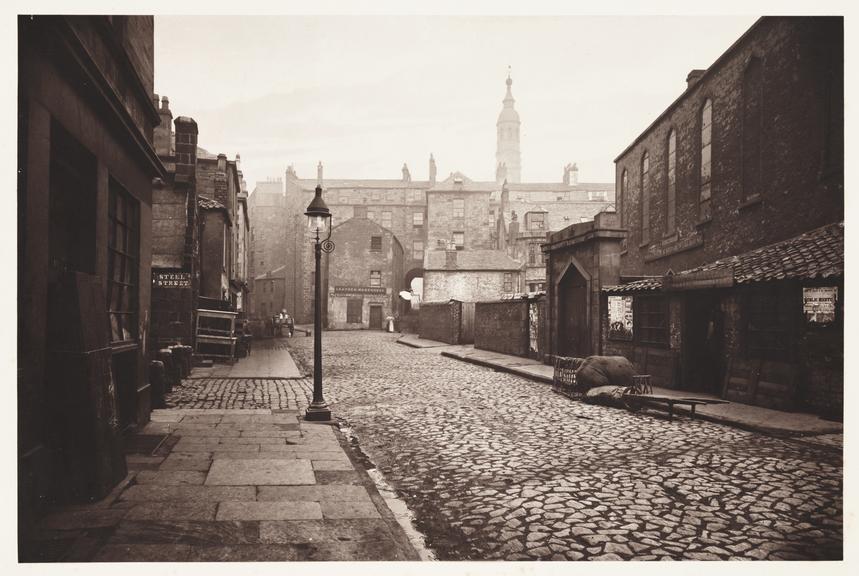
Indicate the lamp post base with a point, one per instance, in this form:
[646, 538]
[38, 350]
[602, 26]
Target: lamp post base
[318, 413]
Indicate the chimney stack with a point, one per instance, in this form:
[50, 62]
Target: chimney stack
[319, 173]
[186, 149]
[163, 133]
[693, 77]
[407, 177]
[432, 170]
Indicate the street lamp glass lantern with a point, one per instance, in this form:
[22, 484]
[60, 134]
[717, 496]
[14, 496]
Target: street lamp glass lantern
[318, 214]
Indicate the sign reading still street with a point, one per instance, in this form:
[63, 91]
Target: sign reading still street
[171, 279]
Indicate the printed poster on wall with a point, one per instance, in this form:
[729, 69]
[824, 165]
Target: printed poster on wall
[620, 317]
[818, 304]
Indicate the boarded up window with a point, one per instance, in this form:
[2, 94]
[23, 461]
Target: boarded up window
[767, 325]
[375, 243]
[353, 310]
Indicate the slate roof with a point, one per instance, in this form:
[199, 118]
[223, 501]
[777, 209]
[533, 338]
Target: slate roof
[353, 184]
[818, 253]
[468, 260]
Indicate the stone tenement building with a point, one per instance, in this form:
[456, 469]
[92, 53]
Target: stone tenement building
[268, 241]
[86, 164]
[731, 276]
[424, 215]
[225, 229]
[364, 275]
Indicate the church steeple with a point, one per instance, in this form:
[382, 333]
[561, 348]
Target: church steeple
[507, 151]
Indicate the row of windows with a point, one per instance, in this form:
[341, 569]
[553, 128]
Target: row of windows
[751, 126]
[362, 212]
[359, 196]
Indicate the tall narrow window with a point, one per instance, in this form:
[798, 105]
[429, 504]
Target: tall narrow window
[508, 282]
[624, 200]
[671, 200]
[458, 207]
[122, 261]
[386, 219]
[752, 104]
[532, 254]
[706, 149]
[645, 198]
[417, 219]
[375, 278]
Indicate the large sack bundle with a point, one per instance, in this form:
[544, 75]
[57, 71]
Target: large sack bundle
[604, 371]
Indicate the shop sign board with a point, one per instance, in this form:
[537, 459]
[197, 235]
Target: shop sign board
[818, 304]
[342, 290]
[620, 317]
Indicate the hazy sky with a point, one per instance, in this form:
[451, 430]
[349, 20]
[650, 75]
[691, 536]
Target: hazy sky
[364, 94]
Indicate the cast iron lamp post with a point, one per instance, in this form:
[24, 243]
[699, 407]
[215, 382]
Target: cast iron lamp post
[318, 219]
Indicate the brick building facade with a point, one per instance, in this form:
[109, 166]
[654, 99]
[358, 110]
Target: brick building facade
[734, 203]
[86, 164]
[364, 275]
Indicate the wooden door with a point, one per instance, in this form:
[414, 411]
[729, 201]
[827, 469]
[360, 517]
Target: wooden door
[573, 337]
[375, 317]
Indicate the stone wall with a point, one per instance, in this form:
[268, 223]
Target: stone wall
[440, 321]
[502, 327]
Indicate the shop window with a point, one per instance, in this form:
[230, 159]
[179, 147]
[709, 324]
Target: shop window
[645, 198]
[620, 317]
[375, 278]
[123, 255]
[508, 282]
[375, 243]
[459, 240]
[354, 307]
[650, 320]
[458, 208]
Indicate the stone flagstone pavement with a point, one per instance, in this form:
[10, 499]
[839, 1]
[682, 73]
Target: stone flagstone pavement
[231, 485]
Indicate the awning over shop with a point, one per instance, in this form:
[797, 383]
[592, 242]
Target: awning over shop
[815, 254]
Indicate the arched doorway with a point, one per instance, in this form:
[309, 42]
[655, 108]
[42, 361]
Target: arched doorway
[413, 282]
[573, 317]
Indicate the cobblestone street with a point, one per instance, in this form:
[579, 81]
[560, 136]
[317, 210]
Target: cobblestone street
[498, 467]
[495, 466]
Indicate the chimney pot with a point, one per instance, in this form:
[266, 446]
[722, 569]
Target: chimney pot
[693, 77]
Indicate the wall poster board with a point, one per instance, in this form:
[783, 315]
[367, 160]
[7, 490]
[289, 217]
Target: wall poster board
[620, 317]
[818, 304]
